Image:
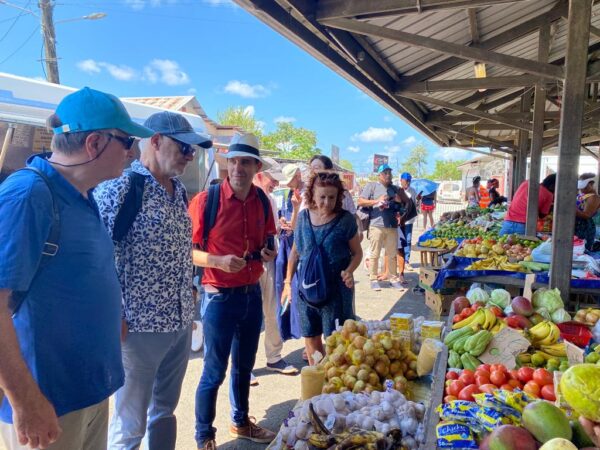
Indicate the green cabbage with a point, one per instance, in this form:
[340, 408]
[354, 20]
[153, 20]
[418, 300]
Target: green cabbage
[560, 316]
[477, 295]
[500, 298]
[544, 313]
[547, 298]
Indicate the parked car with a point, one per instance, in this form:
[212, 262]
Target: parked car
[451, 191]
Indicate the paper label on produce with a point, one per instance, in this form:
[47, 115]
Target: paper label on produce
[528, 289]
[504, 348]
[574, 353]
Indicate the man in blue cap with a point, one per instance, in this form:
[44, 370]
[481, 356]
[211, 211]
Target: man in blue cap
[60, 357]
[381, 199]
[406, 226]
[154, 263]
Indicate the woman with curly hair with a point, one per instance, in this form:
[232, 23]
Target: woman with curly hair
[327, 224]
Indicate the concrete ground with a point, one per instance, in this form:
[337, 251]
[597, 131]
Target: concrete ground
[276, 394]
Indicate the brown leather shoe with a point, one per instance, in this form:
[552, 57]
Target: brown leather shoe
[252, 432]
[211, 444]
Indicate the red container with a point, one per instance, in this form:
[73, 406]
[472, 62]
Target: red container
[575, 333]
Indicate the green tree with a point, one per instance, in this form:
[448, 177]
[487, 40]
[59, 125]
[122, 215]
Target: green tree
[291, 142]
[447, 170]
[346, 164]
[241, 117]
[416, 162]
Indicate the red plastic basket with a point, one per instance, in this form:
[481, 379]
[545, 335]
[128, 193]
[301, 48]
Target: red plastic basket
[575, 332]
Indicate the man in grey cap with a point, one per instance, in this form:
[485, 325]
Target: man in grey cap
[153, 255]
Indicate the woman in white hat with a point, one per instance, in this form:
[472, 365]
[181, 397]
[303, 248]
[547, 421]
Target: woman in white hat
[588, 203]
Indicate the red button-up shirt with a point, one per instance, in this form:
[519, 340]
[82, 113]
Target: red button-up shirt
[239, 229]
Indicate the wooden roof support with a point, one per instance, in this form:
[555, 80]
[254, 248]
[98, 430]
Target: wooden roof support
[449, 48]
[335, 9]
[467, 84]
[452, 131]
[535, 165]
[463, 109]
[569, 144]
[523, 145]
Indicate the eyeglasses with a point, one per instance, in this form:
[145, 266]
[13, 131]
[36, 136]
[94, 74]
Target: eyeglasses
[127, 142]
[185, 149]
[328, 176]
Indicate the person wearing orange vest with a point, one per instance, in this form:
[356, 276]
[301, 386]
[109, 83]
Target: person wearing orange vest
[484, 196]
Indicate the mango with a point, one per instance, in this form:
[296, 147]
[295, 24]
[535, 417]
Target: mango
[558, 444]
[580, 386]
[509, 437]
[546, 422]
[580, 437]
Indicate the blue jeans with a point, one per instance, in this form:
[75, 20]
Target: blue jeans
[509, 227]
[405, 242]
[155, 365]
[232, 323]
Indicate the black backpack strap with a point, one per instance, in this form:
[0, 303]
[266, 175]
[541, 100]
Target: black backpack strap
[210, 212]
[265, 202]
[50, 246]
[131, 206]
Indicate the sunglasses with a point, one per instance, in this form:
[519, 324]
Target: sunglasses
[328, 176]
[185, 149]
[127, 142]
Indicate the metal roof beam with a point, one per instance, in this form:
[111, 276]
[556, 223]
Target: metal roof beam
[472, 112]
[467, 84]
[336, 9]
[501, 39]
[486, 139]
[436, 45]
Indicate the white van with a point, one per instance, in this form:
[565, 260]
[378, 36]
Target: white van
[451, 191]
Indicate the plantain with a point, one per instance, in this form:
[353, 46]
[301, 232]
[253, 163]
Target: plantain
[323, 440]
[316, 422]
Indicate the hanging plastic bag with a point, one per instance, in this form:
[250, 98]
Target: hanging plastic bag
[543, 253]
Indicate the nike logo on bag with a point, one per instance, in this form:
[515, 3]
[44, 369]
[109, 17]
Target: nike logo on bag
[308, 286]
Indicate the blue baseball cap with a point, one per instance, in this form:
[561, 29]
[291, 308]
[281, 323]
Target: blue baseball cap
[406, 176]
[176, 126]
[90, 110]
[383, 167]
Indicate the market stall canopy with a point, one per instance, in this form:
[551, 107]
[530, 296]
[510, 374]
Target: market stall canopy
[461, 72]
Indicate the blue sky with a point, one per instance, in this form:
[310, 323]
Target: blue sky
[218, 52]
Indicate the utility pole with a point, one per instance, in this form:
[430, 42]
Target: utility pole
[49, 37]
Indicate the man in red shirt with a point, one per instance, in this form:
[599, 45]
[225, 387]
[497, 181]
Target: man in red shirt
[516, 216]
[232, 303]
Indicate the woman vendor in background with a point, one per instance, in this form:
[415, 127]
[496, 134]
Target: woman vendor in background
[588, 203]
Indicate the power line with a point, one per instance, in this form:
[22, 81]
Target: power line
[21, 46]
[15, 22]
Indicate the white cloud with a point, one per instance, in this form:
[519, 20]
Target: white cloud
[167, 71]
[373, 134]
[88, 66]
[122, 72]
[453, 153]
[393, 148]
[409, 140]
[246, 90]
[387, 119]
[141, 4]
[261, 125]
[353, 148]
[284, 119]
[192, 91]
[219, 3]
[249, 110]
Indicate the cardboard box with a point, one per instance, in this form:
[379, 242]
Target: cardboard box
[432, 329]
[427, 276]
[439, 303]
[402, 326]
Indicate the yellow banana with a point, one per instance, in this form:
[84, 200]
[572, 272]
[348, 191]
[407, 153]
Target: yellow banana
[540, 331]
[491, 319]
[477, 318]
[552, 337]
[558, 349]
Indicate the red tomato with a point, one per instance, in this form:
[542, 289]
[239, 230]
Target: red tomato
[455, 387]
[488, 388]
[498, 377]
[507, 387]
[452, 375]
[467, 377]
[542, 377]
[500, 367]
[515, 383]
[481, 379]
[467, 393]
[548, 392]
[532, 388]
[485, 367]
[525, 374]
[497, 311]
[456, 318]
[482, 373]
[449, 398]
[466, 313]
[513, 374]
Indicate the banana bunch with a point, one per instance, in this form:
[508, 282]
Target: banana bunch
[500, 325]
[497, 263]
[353, 439]
[440, 243]
[483, 318]
[545, 333]
[556, 350]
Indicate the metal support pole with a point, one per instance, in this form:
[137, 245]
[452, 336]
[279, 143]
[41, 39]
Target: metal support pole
[7, 140]
[569, 144]
[537, 138]
[49, 38]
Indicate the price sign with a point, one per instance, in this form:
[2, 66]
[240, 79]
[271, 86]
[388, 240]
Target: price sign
[504, 348]
[528, 289]
[574, 354]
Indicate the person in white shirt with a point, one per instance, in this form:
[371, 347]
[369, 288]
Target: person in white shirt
[405, 228]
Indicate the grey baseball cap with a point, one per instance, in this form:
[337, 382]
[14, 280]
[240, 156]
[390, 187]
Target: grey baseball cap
[177, 127]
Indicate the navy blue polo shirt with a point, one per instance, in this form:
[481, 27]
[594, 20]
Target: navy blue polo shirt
[68, 326]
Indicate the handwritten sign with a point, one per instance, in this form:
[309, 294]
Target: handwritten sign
[528, 289]
[504, 348]
[574, 354]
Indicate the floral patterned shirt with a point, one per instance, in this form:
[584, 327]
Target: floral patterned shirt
[154, 259]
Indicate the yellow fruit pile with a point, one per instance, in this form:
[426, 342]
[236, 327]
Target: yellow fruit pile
[354, 362]
[589, 316]
[440, 243]
[497, 263]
